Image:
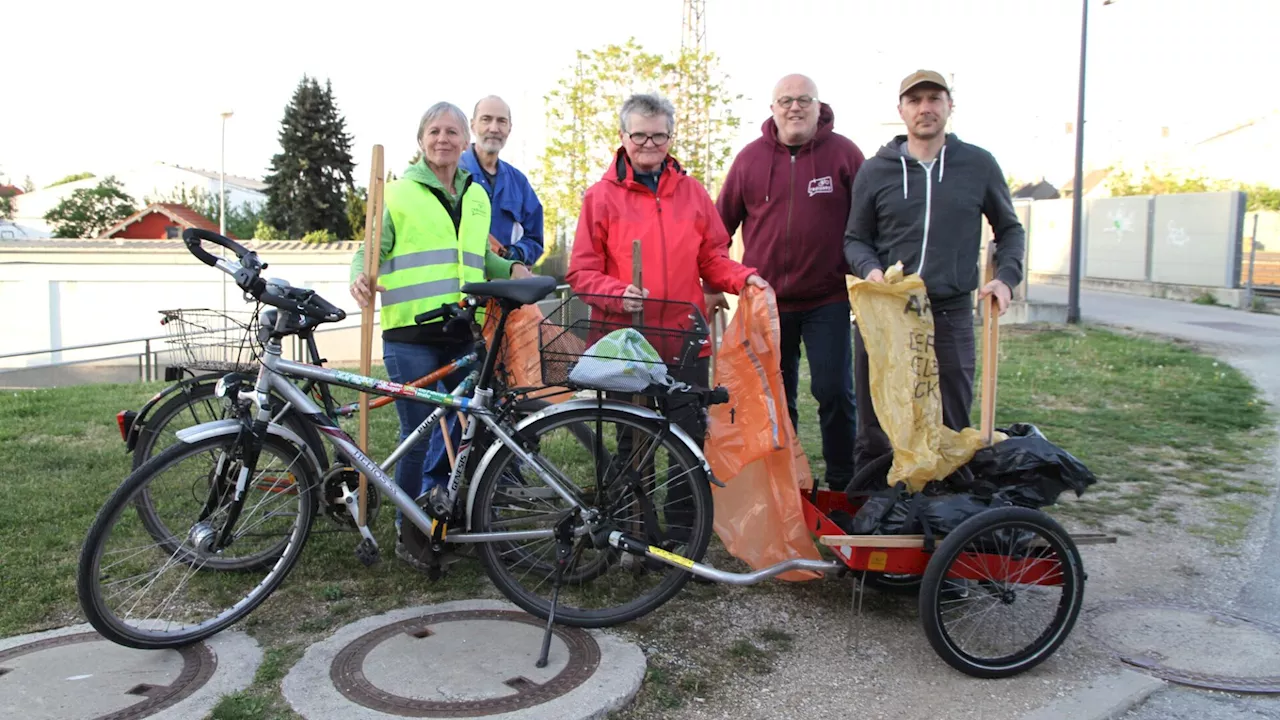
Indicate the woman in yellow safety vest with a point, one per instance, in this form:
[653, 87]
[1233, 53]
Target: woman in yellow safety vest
[435, 232]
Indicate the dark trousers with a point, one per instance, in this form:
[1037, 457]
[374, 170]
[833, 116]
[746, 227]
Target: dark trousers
[685, 412]
[954, 347]
[825, 331]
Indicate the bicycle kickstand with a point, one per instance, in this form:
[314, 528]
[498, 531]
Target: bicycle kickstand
[564, 549]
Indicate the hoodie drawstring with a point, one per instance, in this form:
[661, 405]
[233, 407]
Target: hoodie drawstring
[942, 170]
[768, 183]
[904, 176]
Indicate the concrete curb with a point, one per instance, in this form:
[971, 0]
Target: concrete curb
[310, 691]
[1106, 698]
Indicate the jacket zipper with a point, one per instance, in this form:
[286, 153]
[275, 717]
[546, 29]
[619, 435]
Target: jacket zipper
[928, 201]
[662, 234]
[786, 249]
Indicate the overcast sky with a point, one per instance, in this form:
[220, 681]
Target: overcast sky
[109, 86]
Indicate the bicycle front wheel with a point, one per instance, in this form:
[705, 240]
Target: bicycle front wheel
[635, 475]
[146, 593]
[195, 405]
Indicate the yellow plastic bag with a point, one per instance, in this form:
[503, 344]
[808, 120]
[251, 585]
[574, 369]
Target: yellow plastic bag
[896, 322]
[752, 447]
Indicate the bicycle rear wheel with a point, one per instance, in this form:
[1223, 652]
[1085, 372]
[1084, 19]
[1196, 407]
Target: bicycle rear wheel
[146, 593]
[635, 474]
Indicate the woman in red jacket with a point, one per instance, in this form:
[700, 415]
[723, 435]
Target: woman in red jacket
[646, 195]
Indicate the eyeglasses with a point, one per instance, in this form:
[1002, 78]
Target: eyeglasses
[659, 139]
[804, 101]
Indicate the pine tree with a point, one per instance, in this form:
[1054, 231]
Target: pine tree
[310, 178]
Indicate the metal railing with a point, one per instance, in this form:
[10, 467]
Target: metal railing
[155, 347]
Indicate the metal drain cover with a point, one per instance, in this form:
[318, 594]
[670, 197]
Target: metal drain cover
[73, 681]
[1189, 645]
[461, 664]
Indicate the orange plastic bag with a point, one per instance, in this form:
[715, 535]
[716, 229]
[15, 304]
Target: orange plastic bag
[519, 356]
[896, 322]
[752, 447]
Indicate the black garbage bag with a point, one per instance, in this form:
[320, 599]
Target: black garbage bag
[929, 512]
[870, 518]
[934, 514]
[1027, 469]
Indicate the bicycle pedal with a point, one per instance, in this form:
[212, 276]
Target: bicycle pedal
[367, 553]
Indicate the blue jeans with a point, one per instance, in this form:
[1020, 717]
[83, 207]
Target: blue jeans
[423, 465]
[828, 343]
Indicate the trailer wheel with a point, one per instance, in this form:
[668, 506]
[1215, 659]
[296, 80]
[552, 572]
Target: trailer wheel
[1002, 592]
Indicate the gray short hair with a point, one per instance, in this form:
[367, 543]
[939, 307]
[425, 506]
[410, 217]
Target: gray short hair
[648, 105]
[444, 108]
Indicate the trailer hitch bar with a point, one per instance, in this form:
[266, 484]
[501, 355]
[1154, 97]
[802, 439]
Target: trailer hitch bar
[622, 541]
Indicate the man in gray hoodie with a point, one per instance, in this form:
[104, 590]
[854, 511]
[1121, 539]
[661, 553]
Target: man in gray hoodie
[921, 200]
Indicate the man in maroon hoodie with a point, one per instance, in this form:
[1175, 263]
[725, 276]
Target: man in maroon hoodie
[790, 191]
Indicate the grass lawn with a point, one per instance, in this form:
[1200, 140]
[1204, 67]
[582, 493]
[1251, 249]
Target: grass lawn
[1157, 422]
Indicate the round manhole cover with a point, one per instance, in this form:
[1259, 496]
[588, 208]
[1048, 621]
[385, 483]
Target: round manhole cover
[83, 681]
[1201, 647]
[459, 664]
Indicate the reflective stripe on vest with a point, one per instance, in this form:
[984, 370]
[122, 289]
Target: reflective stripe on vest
[430, 261]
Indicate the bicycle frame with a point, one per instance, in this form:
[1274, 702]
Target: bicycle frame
[273, 376]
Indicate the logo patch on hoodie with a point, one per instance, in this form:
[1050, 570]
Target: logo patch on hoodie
[821, 185]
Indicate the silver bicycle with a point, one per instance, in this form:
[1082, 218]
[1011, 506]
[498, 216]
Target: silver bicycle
[585, 533]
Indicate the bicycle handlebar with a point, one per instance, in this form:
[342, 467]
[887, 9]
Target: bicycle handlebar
[194, 236]
[247, 270]
[448, 311]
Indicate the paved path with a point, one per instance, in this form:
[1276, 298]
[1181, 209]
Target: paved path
[1250, 342]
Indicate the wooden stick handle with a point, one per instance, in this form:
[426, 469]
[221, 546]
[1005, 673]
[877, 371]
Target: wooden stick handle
[990, 352]
[372, 256]
[637, 279]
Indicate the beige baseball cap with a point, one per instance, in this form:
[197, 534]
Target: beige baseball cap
[920, 77]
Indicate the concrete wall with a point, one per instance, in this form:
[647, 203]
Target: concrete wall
[1196, 239]
[1192, 239]
[1049, 237]
[1117, 238]
[1021, 208]
[75, 297]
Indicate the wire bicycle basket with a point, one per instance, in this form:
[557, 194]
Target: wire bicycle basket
[213, 340]
[610, 343]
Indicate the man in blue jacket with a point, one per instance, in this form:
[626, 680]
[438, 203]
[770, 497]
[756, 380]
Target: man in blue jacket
[517, 213]
[920, 200]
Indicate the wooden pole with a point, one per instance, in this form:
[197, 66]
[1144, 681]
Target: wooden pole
[637, 279]
[372, 256]
[990, 350]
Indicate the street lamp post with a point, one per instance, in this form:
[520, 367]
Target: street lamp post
[222, 201]
[1077, 182]
[222, 181]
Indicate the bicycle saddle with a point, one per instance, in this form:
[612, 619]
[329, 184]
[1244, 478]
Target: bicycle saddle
[524, 291]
